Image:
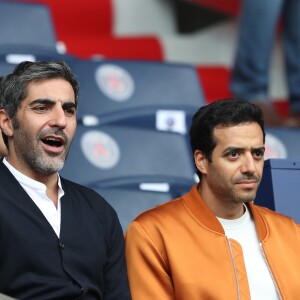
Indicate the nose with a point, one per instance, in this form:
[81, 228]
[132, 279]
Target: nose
[248, 165]
[58, 118]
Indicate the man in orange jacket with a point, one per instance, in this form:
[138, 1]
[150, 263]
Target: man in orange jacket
[213, 242]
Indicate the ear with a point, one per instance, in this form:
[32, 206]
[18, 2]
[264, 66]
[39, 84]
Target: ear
[6, 123]
[200, 161]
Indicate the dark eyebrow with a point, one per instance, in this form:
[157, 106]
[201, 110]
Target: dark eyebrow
[46, 101]
[239, 149]
[70, 105]
[42, 101]
[229, 149]
[260, 148]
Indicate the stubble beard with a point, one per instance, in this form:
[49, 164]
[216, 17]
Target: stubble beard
[244, 197]
[45, 164]
[34, 157]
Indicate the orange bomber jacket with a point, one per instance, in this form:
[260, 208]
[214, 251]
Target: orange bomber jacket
[179, 250]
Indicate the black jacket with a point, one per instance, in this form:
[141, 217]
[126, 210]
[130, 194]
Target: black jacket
[86, 262]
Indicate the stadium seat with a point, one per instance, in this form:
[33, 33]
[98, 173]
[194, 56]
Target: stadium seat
[282, 143]
[26, 24]
[207, 78]
[5, 67]
[88, 31]
[109, 47]
[134, 91]
[129, 203]
[12, 55]
[108, 156]
[279, 189]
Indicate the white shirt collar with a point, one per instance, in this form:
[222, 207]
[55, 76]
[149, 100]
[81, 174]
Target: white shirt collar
[29, 182]
[235, 223]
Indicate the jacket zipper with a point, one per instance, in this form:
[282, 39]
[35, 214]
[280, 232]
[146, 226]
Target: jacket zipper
[234, 268]
[268, 266]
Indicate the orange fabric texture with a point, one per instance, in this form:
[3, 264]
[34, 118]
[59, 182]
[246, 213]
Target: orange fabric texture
[178, 250]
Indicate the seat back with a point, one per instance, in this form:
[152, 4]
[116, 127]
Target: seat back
[12, 55]
[282, 143]
[129, 203]
[135, 90]
[108, 156]
[279, 188]
[26, 24]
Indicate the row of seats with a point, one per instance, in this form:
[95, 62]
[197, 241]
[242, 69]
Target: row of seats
[133, 168]
[133, 116]
[146, 30]
[88, 31]
[132, 128]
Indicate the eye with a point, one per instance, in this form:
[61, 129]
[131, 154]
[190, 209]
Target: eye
[70, 109]
[40, 108]
[233, 154]
[258, 154]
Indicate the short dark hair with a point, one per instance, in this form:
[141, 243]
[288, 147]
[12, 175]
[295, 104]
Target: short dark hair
[224, 112]
[13, 87]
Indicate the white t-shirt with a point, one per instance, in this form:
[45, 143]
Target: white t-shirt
[260, 279]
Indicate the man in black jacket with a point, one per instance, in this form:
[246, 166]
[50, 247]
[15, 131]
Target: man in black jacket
[58, 240]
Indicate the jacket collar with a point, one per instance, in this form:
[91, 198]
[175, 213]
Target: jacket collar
[199, 209]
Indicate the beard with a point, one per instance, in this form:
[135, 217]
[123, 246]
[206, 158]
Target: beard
[31, 154]
[227, 188]
[246, 196]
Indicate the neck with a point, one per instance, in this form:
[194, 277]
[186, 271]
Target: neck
[221, 207]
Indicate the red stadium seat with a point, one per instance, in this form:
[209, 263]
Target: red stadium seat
[87, 31]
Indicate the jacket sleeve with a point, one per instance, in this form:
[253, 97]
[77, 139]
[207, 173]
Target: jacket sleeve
[116, 286]
[149, 276]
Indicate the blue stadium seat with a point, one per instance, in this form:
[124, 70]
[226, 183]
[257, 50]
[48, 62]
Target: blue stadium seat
[129, 203]
[5, 68]
[26, 24]
[133, 92]
[12, 55]
[282, 143]
[108, 156]
[279, 189]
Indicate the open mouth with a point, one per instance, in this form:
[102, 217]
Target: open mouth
[53, 142]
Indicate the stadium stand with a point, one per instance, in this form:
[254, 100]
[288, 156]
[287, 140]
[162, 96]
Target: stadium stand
[87, 30]
[140, 37]
[109, 156]
[132, 92]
